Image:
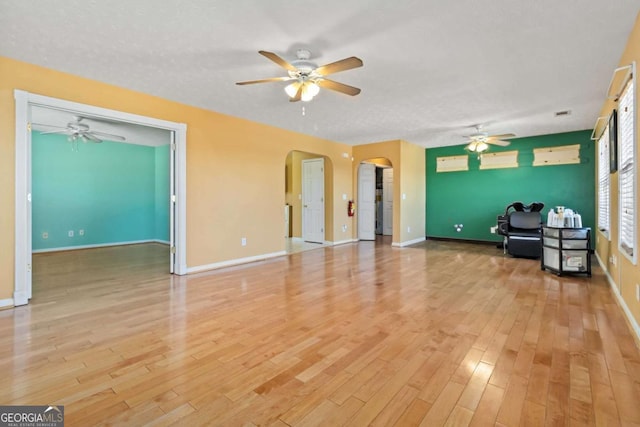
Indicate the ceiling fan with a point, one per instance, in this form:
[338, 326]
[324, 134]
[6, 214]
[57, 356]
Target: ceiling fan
[76, 130]
[480, 141]
[307, 78]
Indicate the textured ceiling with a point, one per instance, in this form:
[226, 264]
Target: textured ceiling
[432, 69]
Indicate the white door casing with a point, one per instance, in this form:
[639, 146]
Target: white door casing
[367, 201]
[313, 200]
[172, 204]
[23, 221]
[387, 201]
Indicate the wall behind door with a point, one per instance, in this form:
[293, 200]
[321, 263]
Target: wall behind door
[117, 193]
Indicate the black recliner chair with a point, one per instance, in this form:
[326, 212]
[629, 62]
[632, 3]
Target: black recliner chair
[522, 229]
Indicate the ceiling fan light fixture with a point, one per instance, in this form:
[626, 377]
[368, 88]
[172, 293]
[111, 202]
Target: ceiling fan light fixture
[309, 90]
[313, 88]
[292, 89]
[307, 74]
[482, 146]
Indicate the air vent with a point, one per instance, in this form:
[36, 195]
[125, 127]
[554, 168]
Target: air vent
[562, 113]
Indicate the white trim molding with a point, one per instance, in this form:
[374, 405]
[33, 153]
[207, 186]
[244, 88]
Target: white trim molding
[343, 242]
[408, 243]
[6, 303]
[614, 288]
[97, 245]
[232, 262]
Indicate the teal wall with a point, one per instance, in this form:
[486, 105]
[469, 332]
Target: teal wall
[108, 190]
[475, 197]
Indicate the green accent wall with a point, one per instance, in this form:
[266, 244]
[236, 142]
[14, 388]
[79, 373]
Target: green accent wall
[112, 191]
[476, 197]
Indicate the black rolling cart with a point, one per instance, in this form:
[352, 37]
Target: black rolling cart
[566, 250]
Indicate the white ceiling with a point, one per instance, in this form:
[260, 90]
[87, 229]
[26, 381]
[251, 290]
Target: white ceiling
[432, 68]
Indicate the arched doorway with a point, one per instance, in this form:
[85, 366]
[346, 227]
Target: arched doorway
[308, 201]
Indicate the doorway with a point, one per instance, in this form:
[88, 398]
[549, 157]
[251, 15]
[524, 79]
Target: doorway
[375, 199]
[295, 232]
[25, 102]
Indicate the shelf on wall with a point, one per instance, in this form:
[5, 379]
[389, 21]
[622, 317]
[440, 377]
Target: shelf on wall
[560, 155]
[452, 163]
[499, 160]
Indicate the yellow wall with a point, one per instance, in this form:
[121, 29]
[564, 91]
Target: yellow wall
[408, 162]
[235, 168]
[413, 181]
[624, 273]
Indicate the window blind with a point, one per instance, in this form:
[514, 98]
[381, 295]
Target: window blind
[626, 169]
[603, 182]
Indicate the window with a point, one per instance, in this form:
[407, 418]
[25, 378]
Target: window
[603, 182]
[626, 170]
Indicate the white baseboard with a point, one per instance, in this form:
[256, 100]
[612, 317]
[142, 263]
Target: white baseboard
[621, 301]
[99, 245]
[408, 243]
[6, 303]
[342, 242]
[232, 262]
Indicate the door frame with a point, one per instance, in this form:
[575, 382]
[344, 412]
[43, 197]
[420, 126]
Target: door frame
[23, 220]
[385, 230]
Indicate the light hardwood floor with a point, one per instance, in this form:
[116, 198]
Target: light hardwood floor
[362, 334]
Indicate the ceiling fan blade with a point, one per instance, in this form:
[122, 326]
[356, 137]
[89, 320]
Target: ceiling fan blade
[104, 135]
[342, 65]
[498, 142]
[272, 79]
[63, 131]
[298, 96]
[48, 126]
[503, 136]
[90, 136]
[275, 58]
[338, 87]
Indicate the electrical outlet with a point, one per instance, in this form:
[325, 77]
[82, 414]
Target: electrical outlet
[614, 259]
[243, 241]
[80, 232]
[344, 228]
[45, 235]
[70, 233]
[409, 229]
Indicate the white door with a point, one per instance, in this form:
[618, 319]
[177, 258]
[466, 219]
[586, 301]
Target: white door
[387, 202]
[367, 201]
[313, 200]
